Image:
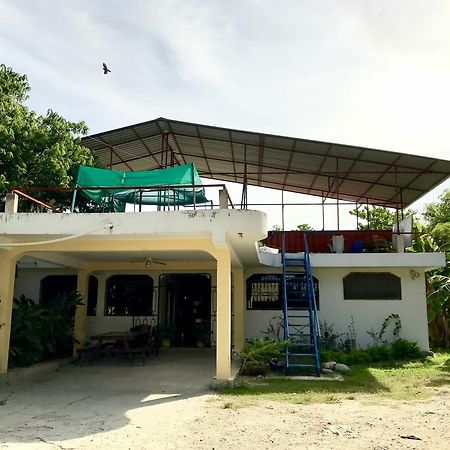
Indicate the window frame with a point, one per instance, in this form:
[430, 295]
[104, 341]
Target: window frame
[393, 288]
[131, 311]
[275, 278]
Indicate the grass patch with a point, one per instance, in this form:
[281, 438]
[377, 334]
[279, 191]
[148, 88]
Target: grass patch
[408, 380]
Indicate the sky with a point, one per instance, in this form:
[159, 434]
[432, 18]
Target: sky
[373, 74]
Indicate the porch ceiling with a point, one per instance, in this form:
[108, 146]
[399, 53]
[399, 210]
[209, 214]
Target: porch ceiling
[298, 165]
[132, 260]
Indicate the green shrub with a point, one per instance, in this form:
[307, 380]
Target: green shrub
[400, 349]
[358, 356]
[258, 354]
[328, 337]
[27, 326]
[42, 331]
[378, 353]
[404, 349]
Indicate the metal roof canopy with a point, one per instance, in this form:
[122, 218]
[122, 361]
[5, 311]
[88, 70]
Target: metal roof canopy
[325, 169]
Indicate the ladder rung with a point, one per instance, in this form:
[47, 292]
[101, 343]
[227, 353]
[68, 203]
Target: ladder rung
[296, 308]
[301, 365]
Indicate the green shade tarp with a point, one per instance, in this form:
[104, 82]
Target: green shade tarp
[115, 199]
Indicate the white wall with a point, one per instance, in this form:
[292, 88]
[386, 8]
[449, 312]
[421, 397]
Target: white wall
[28, 283]
[367, 314]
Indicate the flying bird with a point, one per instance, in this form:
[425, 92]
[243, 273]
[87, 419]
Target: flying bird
[105, 69]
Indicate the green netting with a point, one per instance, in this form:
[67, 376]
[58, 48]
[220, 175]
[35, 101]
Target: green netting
[115, 199]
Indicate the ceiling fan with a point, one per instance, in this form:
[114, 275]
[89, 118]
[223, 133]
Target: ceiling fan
[148, 261]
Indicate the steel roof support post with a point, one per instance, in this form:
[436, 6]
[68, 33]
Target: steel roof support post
[401, 202]
[283, 235]
[164, 149]
[337, 213]
[337, 192]
[193, 189]
[244, 201]
[368, 214]
[74, 197]
[400, 247]
[323, 212]
[110, 158]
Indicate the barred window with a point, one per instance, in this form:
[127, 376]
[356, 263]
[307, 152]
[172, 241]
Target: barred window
[129, 295]
[264, 291]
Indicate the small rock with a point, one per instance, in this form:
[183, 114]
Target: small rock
[327, 371]
[329, 365]
[341, 368]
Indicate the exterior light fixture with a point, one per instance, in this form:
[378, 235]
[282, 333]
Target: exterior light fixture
[414, 274]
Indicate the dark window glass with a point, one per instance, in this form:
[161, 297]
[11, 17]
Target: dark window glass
[264, 291]
[129, 295]
[92, 296]
[56, 286]
[372, 286]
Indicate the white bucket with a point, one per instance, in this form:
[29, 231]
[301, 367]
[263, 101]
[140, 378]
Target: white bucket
[338, 244]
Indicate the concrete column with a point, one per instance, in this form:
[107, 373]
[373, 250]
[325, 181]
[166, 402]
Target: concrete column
[11, 203]
[81, 311]
[238, 309]
[7, 274]
[223, 349]
[223, 199]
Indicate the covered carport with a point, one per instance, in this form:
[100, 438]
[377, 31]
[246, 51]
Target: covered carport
[222, 241]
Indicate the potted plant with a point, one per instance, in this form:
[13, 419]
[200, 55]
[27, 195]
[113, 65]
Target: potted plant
[166, 336]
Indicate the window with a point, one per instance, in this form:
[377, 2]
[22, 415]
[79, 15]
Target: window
[129, 295]
[57, 285]
[264, 291]
[372, 286]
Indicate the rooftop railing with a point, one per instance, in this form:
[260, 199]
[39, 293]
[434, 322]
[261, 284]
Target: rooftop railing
[169, 199]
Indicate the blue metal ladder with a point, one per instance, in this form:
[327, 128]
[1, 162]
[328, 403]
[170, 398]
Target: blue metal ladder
[301, 326]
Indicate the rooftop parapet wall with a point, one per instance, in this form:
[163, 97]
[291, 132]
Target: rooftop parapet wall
[251, 224]
[321, 241]
[426, 261]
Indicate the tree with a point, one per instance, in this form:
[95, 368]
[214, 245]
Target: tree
[437, 216]
[376, 218]
[438, 293]
[36, 150]
[304, 227]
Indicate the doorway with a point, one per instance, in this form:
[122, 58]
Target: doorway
[185, 309]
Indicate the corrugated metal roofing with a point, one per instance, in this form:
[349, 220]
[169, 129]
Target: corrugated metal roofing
[298, 165]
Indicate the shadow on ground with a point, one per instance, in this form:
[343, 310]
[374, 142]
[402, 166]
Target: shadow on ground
[444, 379]
[83, 400]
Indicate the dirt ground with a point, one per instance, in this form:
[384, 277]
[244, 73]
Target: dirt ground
[119, 406]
